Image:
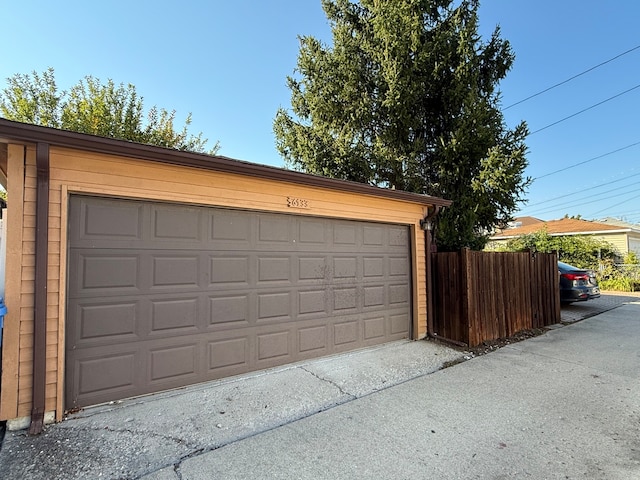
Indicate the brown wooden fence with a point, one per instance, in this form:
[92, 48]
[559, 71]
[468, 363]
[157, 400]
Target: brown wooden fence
[483, 296]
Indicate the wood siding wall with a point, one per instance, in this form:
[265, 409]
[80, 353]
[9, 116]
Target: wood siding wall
[482, 296]
[618, 240]
[74, 171]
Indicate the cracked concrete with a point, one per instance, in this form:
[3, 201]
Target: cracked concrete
[151, 437]
[329, 381]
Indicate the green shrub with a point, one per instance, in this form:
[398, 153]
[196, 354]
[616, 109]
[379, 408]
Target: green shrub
[621, 284]
[582, 251]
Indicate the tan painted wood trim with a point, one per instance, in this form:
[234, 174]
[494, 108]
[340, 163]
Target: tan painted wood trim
[13, 269]
[375, 214]
[62, 295]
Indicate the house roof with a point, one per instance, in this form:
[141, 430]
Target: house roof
[524, 221]
[564, 226]
[620, 223]
[11, 131]
[520, 222]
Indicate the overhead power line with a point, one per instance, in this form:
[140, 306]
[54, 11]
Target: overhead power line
[586, 161]
[615, 205]
[578, 202]
[584, 110]
[572, 78]
[582, 190]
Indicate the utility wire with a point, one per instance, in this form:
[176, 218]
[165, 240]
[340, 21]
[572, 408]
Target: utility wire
[572, 78]
[584, 110]
[552, 199]
[588, 195]
[576, 203]
[613, 206]
[586, 161]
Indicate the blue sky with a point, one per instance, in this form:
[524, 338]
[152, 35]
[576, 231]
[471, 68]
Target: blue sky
[227, 62]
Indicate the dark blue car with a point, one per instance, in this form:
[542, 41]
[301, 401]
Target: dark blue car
[577, 284]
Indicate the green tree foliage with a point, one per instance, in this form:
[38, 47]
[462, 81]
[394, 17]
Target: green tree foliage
[578, 250]
[96, 108]
[406, 98]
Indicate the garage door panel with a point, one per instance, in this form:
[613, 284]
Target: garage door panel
[346, 334]
[399, 294]
[231, 310]
[174, 362]
[180, 225]
[345, 268]
[345, 234]
[109, 271]
[274, 269]
[110, 322]
[274, 231]
[101, 219]
[275, 347]
[374, 328]
[177, 315]
[373, 236]
[313, 340]
[107, 373]
[103, 374]
[229, 229]
[230, 272]
[175, 271]
[398, 266]
[373, 267]
[374, 296]
[312, 269]
[274, 306]
[313, 233]
[312, 303]
[229, 355]
[101, 223]
[398, 237]
[345, 300]
[398, 325]
[191, 294]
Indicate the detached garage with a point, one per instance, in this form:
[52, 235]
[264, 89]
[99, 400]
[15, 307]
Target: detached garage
[134, 269]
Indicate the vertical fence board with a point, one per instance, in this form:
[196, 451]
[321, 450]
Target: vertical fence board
[482, 296]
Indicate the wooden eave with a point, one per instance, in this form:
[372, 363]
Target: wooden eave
[11, 131]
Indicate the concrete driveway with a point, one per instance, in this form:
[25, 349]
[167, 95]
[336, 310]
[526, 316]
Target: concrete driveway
[562, 405]
[574, 312]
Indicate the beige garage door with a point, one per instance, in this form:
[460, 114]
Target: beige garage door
[163, 295]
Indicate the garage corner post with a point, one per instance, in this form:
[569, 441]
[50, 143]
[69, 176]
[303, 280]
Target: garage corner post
[40, 297]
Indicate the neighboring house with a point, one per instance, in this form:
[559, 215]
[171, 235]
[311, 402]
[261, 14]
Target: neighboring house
[519, 222]
[523, 222]
[625, 238]
[133, 269]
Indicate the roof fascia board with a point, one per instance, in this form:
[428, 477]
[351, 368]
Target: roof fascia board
[15, 131]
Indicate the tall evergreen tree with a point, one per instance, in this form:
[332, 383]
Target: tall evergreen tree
[406, 98]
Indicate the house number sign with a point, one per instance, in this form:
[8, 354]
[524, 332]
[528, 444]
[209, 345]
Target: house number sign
[297, 202]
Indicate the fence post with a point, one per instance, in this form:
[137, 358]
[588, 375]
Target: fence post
[465, 270]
